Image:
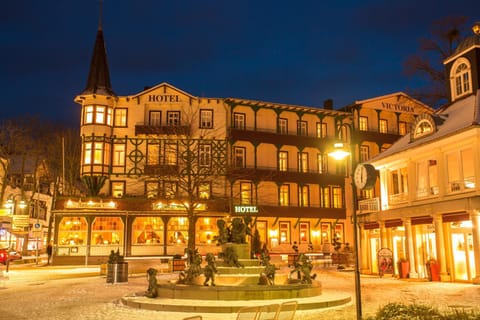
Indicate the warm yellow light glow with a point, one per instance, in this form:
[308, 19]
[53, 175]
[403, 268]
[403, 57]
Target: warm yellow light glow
[339, 153]
[69, 203]
[9, 204]
[112, 204]
[273, 233]
[22, 204]
[90, 203]
[316, 233]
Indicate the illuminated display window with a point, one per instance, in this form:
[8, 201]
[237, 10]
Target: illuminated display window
[107, 230]
[147, 231]
[72, 231]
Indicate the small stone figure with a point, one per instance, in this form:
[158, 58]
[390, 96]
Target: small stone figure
[223, 233]
[230, 257]
[115, 257]
[267, 277]
[303, 268]
[295, 247]
[152, 283]
[194, 270]
[210, 270]
[239, 231]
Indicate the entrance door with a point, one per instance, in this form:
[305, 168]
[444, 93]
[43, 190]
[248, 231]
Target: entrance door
[463, 260]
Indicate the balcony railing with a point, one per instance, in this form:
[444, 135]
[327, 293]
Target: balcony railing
[369, 205]
[161, 130]
[398, 198]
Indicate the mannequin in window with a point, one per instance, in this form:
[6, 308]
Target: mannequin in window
[148, 235]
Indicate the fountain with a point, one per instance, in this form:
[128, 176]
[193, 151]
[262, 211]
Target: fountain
[237, 281]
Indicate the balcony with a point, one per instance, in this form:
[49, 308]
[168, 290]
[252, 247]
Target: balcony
[369, 205]
[161, 130]
[377, 136]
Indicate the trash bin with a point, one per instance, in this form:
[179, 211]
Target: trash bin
[117, 272]
[178, 264]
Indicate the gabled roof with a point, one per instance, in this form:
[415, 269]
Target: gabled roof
[460, 115]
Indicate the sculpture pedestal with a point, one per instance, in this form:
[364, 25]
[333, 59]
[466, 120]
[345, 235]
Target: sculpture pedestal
[241, 249]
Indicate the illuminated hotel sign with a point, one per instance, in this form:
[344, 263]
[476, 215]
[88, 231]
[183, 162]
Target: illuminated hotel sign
[398, 107]
[163, 98]
[246, 209]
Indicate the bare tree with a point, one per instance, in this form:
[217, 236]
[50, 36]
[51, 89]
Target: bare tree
[445, 35]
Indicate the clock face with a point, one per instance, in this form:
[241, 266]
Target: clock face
[364, 176]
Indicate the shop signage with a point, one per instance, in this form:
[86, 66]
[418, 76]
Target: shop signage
[246, 209]
[385, 261]
[398, 107]
[163, 98]
[5, 212]
[20, 221]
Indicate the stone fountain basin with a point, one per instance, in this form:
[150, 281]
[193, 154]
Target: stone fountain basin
[239, 292]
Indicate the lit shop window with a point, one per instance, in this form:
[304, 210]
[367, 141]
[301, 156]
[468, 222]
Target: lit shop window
[177, 231]
[207, 230]
[107, 230]
[72, 231]
[147, 231]
[95, 114]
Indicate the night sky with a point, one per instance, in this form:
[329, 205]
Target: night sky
[290, 52]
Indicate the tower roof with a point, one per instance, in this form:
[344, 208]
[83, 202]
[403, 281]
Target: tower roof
[99, 75]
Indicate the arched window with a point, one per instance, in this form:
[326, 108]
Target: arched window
[460, 78]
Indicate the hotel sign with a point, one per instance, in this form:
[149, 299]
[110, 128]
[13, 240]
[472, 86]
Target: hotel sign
[164, 98]
[398, 107]
[246, 209]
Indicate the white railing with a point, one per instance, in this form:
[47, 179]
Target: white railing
[398, 198]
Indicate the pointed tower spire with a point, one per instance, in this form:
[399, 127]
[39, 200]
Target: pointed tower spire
[99, 75]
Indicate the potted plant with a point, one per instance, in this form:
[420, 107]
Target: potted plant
[403, 268]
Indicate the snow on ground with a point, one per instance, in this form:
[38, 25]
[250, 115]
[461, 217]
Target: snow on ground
[46, 293]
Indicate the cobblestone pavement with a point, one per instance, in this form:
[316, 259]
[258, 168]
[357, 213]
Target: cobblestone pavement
[48, 294]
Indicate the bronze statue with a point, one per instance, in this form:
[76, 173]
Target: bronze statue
[210, 270]
[152, 283]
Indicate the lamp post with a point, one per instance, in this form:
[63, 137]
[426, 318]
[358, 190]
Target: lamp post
[339, 153]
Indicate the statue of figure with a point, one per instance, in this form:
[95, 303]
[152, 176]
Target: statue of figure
[194, 270]
[230, 257]
[223, 233]
[115, 257]
[238, 231]
[152, 283]
[303, 267]
[210, 269]
[267, 277]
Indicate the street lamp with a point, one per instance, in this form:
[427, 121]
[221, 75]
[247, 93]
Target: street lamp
[339, 153]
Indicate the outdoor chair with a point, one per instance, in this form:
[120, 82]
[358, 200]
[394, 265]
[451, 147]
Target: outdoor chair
[287, 310]
[193, 318]
[248, 313]
[268, 312]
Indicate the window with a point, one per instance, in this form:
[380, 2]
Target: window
[177, 231]
[152, 189]
[363, 123]
[423, 128]
[239, 157]
[173, 118]
[399, 181]
[325, 197]
[169, 189]
[337, 199]
[155, 118]
[461, 170]
[283, 161]
[427, 178]
[302, 128]
[206, 119]
[153, 154]
[205, 155]
[87, 154]
[383, 126]
[321, 130]
[460, 78]
[284, 196]
[304, 228]
[284, 227]
[239, 120]
[118, 188]
[364, 153]
[72, 231]
[97, 153]
[96, 114]
[118, 155]
[303, 196]
[170, 154]
[204, 191]
[402, 128]
[120, 117]
[322, 163]
[107, 231]
[282, 126]
[245, 193]
[148, 231]
[302, 162]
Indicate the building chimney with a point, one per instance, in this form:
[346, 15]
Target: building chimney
[328, 104]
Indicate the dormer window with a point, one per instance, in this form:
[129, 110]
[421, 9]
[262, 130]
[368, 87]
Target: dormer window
[424, 126]
[460, 78]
